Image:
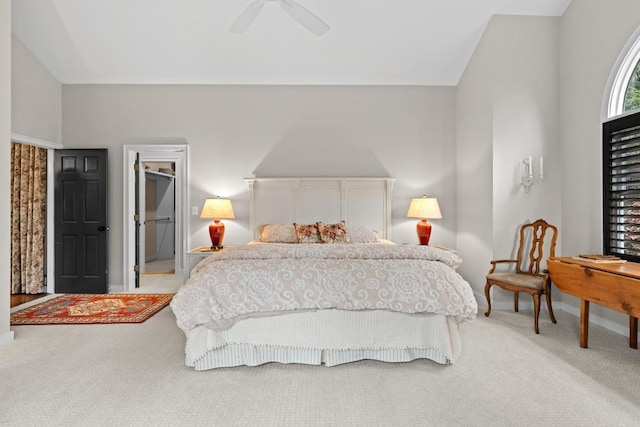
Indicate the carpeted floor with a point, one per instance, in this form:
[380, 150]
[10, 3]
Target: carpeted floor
[134, 375]
[160, 266]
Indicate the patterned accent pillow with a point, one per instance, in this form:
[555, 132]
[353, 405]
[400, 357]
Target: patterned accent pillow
[307, 233]
[362, 234]
[278, 233]
[333, 233]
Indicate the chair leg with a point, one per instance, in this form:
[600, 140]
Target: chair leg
[536, 312]
[488, 297]
[548, 295]
[515, 301]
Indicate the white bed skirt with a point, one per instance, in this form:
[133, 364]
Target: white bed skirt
[331, 337]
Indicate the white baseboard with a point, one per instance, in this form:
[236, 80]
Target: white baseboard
[6, 338]
[527, 304]
[480, 299]
[595, 319]
[116, 289]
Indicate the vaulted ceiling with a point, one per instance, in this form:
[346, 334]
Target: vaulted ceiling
[370, 42]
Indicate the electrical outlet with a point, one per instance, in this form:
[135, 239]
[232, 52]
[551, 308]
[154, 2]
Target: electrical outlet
[194, 210]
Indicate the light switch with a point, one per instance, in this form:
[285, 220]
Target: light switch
[194, 210]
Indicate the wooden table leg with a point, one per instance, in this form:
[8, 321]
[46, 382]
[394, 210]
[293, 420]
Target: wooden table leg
[633, 332]
[584, 323]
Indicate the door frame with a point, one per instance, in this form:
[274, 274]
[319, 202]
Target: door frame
[174, 153]
[50, 287]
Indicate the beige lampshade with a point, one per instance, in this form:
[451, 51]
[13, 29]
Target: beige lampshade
[424, 207]
[217, 209]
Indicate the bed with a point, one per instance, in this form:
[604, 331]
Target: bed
[322, 283]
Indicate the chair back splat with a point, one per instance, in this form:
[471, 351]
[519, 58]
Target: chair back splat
[534, 234]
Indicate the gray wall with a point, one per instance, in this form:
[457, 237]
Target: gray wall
[474, 167]
[235, 132]
[34, 108]
[538, 85]
[593, 34]
[36, 98]
[5, 152]
[507, 109]
[165, 195]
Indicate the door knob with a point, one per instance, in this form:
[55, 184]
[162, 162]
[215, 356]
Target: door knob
[103, 228]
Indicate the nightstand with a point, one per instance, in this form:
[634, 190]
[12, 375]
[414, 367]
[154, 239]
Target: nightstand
[200, 251]
[197, 254]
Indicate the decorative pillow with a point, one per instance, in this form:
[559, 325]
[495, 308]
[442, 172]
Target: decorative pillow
[307, 233]
[362, 234]
[333, 233]
[278, 233]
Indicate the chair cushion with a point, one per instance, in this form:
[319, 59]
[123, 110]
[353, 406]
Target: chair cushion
[515, 279]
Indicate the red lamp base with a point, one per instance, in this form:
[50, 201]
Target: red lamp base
[424, 231]
[216, 232]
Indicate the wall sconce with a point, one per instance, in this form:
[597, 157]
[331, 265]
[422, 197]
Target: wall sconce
[424, 207]
[528, 178]
[217, 209]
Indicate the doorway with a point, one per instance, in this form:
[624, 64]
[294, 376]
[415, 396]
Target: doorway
[159, 219]
[151, 158]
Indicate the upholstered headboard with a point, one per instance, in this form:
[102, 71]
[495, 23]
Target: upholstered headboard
[358, 201]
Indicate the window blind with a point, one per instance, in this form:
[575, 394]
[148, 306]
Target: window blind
[621, 187]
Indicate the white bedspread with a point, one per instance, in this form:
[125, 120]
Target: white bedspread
[263, 280]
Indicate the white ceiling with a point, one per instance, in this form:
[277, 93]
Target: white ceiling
[395, 42]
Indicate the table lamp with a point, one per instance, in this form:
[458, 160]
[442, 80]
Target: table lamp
[217, 209]
[424, 208]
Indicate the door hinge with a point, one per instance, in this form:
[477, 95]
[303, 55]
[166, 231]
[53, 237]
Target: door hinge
[136, 268]
[136, 167]
[136, 217]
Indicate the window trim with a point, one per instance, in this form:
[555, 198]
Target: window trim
[621, 81]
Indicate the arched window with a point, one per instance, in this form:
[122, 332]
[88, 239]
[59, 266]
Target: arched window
[632, 94]
[625, 92]
[621, 161]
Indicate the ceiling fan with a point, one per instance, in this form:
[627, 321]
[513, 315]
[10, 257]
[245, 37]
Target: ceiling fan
[299, 13]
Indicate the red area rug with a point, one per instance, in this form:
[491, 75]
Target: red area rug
[73, 309]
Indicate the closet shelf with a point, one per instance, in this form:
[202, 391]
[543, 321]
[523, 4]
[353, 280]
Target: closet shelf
[152, 172]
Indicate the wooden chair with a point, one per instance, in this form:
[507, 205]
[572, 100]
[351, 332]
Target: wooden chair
[527, 276]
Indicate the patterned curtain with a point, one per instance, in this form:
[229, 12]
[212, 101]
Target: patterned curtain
[28, 218]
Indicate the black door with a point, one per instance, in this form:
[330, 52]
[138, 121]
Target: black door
[81, 221]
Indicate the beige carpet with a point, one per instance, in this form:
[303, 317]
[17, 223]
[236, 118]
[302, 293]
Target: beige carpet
[160, 266]
[135, 375]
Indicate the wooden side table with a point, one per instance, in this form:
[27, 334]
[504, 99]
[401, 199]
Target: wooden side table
[616, 286]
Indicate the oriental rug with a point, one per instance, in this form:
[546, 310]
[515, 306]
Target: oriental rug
[72, 309]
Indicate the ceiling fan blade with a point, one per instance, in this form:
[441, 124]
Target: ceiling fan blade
[248, 15]
[304, 17]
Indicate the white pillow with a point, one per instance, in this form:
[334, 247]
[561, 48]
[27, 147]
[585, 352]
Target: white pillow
[361, 234]
[278, 233]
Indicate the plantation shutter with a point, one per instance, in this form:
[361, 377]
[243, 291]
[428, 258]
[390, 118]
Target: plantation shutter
[621, 187]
